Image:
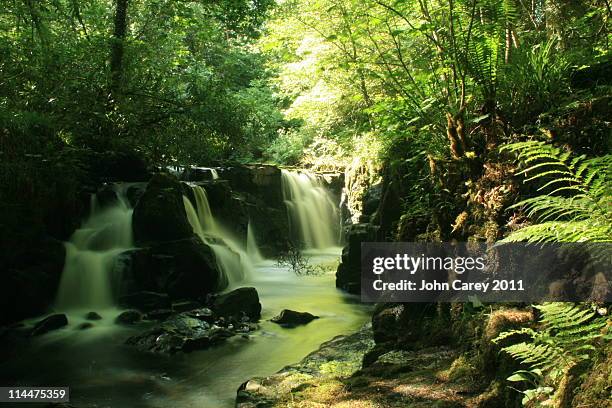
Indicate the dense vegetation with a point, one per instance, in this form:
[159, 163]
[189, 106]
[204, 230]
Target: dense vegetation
[471, 119]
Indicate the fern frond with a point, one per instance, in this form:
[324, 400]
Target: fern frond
[578, 205]
[566, 336]
[561, 231]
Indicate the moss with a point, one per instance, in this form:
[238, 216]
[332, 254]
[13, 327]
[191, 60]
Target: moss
[596, 388]
[494, 397]
[462, 369]
[506, 319]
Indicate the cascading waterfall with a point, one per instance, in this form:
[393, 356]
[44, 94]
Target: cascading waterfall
[233, 260]
[91, 253]
[252, 247]
[313, 215]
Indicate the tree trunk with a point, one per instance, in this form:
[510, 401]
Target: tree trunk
[117, 47]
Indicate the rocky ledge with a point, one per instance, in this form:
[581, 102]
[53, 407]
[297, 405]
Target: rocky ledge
[350, 371]
[341, 355]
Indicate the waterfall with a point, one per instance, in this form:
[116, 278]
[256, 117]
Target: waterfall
[313, 215]
[233, 259]
[91, 253]
[252, 247]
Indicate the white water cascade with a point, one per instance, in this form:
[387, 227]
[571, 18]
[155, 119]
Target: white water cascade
[252, 247]
[233, 259]
[87, 280]
[313, 215]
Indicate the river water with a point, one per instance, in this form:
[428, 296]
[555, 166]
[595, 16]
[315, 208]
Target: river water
[102, 371]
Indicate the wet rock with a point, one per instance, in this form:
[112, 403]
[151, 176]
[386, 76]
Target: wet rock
[158, 314]
[239, 302]
[203, 314]
[194, 173]
[145, 300]
[263, 181]
[129, 317]
[292, 318]
[185, 306]
[213, 336]
[85, 326]
[52, 322]
[134, 192]
[93, 316]
[183, 269]
[160, 213]
[268, 224]
[180, 333]
[229, 206]
[348, 275]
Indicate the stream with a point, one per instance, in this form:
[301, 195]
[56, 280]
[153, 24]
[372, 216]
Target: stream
[103, 372]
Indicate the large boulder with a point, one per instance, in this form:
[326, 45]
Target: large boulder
[238, 302]
[348, 275]
[183, 269]
[171, 258]
[160, 213]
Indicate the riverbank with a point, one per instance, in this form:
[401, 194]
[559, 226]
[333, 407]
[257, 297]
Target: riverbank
[361, 371]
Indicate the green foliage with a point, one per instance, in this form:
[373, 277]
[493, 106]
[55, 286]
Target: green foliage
[488, 46]
[575, 205]
[192, 88]
[287, 148]
[565, 338]
[534, 82]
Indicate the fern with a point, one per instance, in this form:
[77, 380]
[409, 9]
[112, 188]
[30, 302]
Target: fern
[566, 337]
[488, 43]
[576, 204]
